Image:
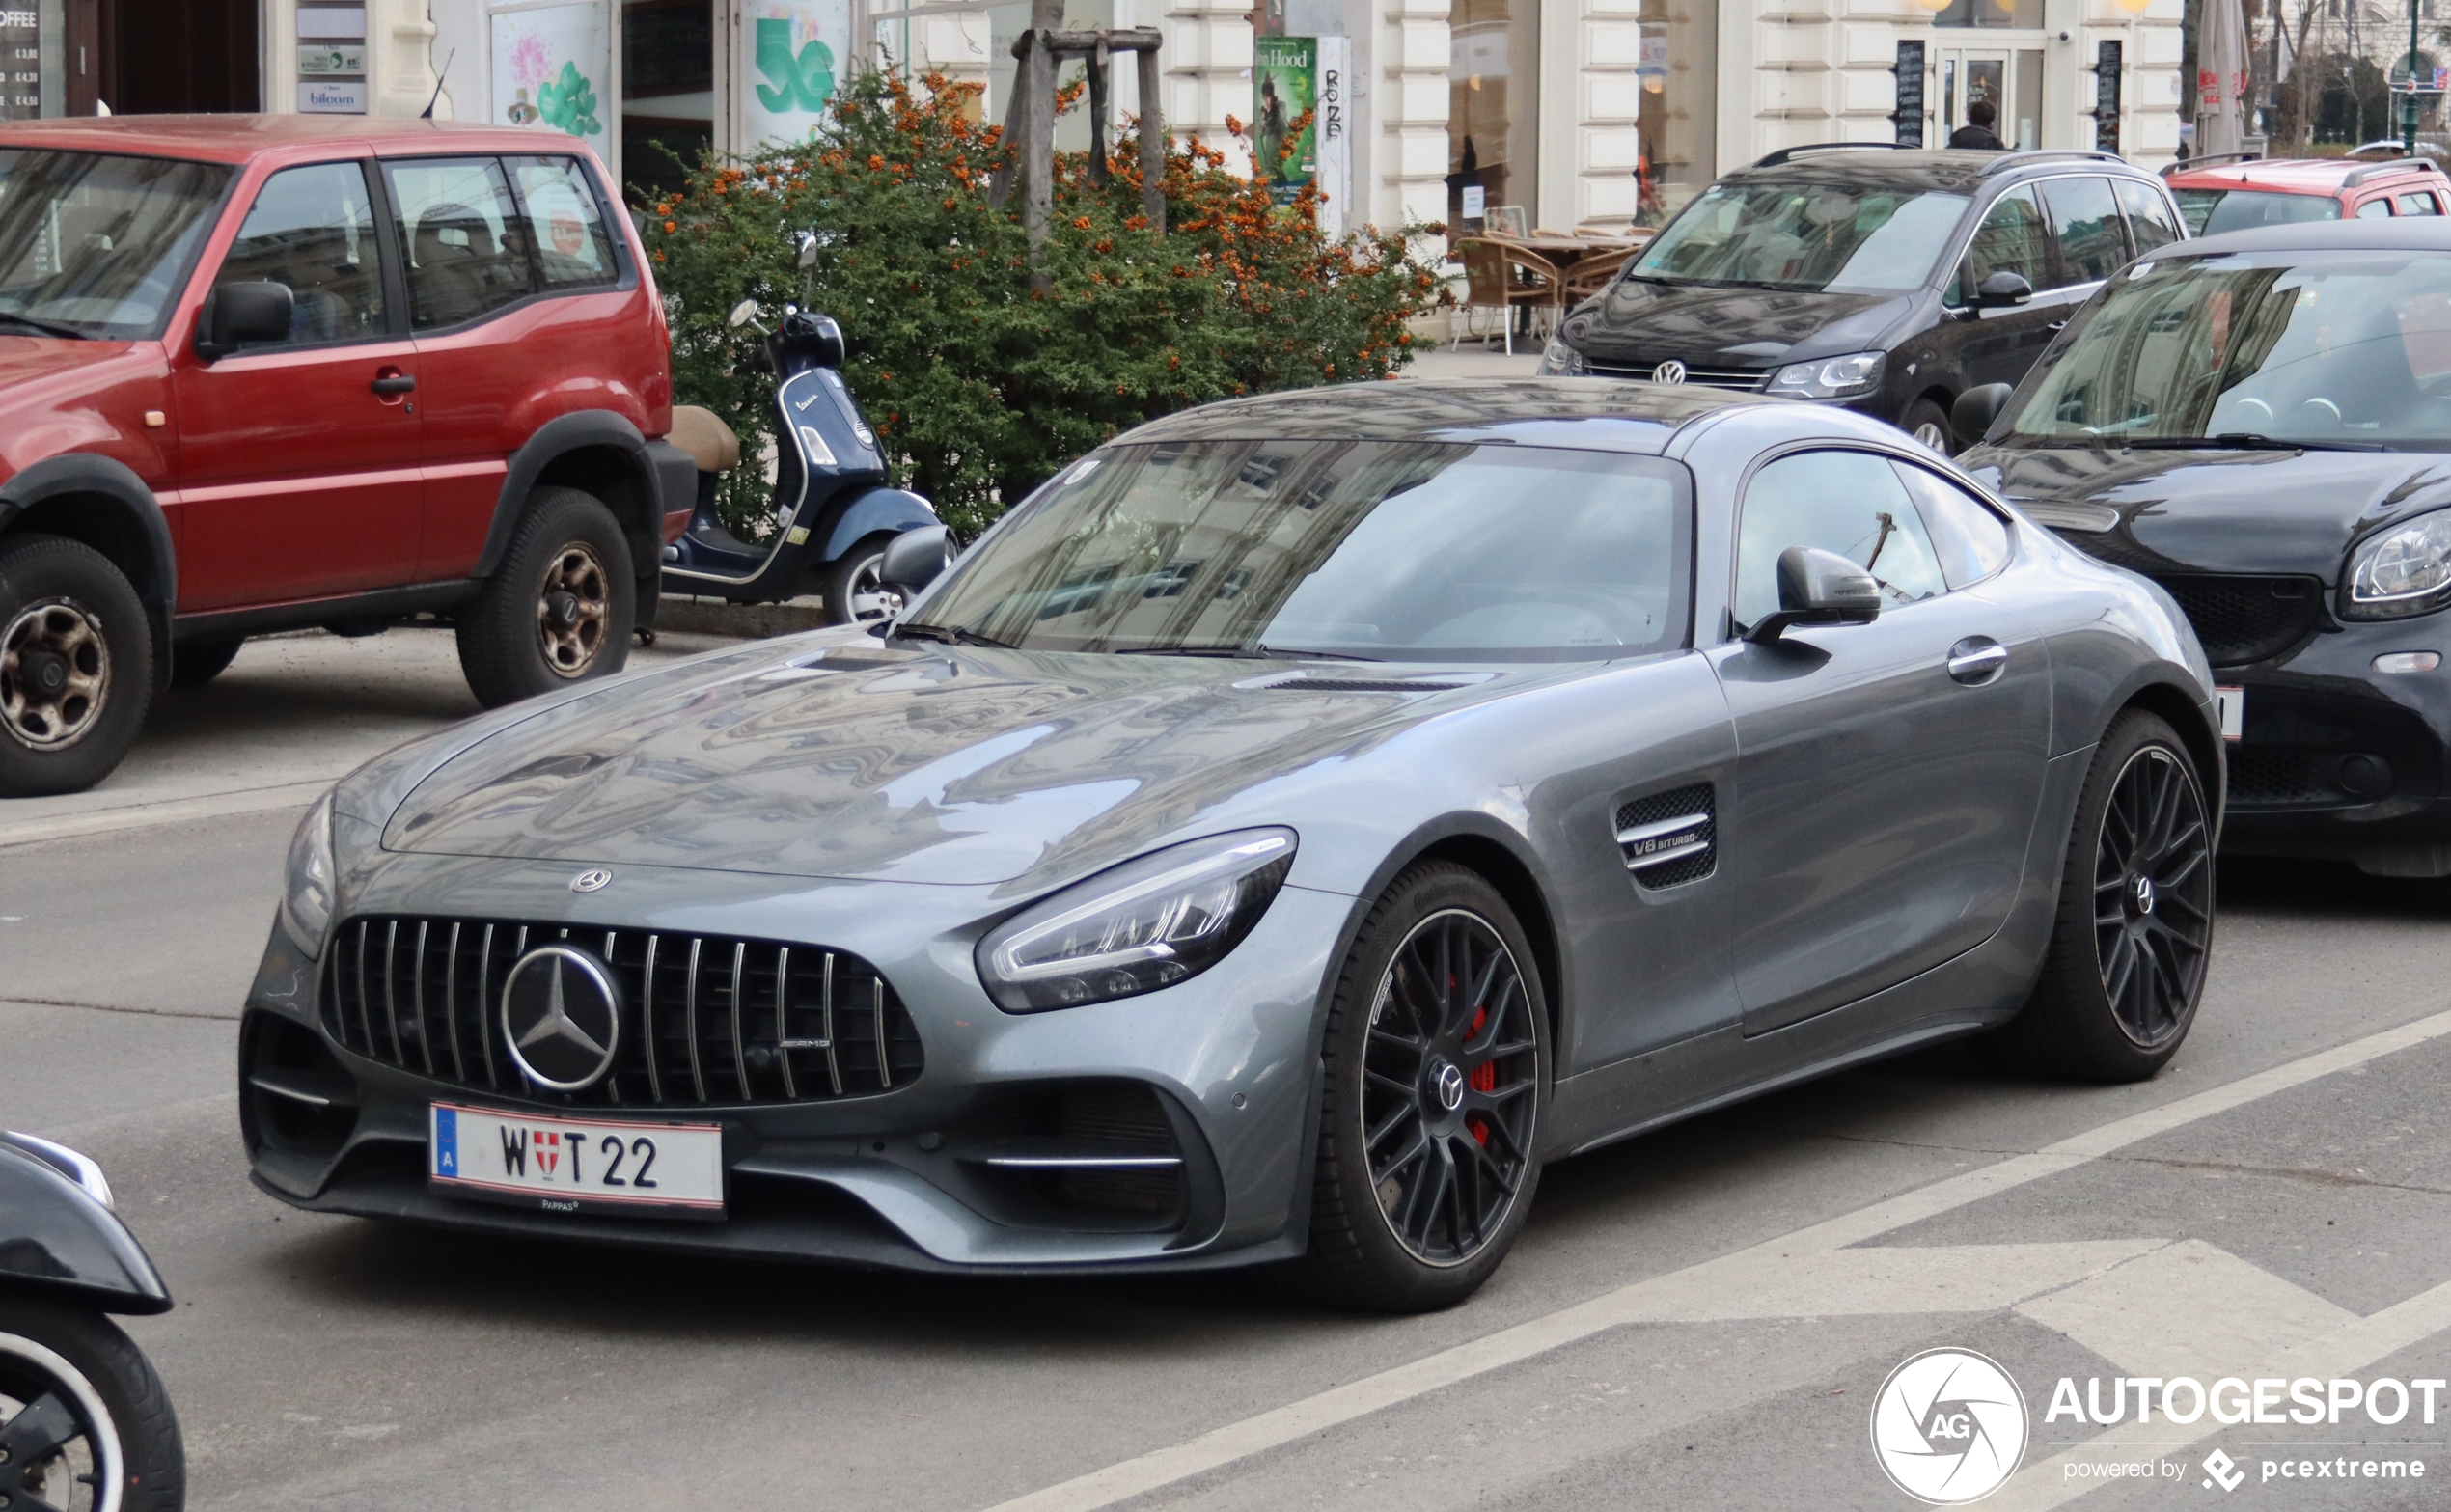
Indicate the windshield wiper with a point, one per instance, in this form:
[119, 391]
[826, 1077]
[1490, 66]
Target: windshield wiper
[44, 327]
[2244, 441]
[949, 635]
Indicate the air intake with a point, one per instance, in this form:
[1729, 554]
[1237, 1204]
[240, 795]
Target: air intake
[1671, 838]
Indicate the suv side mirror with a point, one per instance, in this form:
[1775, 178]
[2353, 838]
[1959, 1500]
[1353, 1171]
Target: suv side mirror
[2002, 289]
[240, 313]
[915, 558]
[1971, 415]
[1817, 586]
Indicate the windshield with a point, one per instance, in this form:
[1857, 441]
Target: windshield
[1807, 236]
[1375, 550]
[2346, 349]
[95, 244]
[2212, 211]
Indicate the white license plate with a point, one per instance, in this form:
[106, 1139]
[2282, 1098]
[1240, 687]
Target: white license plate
[574, 1164]
[2232, 704]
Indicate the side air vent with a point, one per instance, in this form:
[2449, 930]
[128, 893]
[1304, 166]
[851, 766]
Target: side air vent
[1671, 838]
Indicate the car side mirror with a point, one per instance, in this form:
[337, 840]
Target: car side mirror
[241, 312]
[1971, 415]
[915, 558]
[1817, 586]
[2002, 290]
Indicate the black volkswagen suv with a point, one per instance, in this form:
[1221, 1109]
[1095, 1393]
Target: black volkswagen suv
[1890, 280]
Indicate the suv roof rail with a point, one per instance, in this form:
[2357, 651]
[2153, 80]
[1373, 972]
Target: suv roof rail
[2020, 157]
[1788, 154]
[2190, 164]
[2395, 165]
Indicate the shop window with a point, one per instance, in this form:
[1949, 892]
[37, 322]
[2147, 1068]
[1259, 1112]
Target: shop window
[1680, 105]
[667, 92]
[2022, 15]
[1493, 125]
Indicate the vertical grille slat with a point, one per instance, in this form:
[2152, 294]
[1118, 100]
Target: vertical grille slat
[417, 990]
[450, 1002]
[365, 1000]
[689, 1025]
[785, 1044]
[833, 1061]
[391, 996]
[876, 1008]
[739, 1050]
[485, 998]
[648, 1037]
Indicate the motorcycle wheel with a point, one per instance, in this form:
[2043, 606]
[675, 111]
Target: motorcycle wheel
[85, 1423]
[852, 588]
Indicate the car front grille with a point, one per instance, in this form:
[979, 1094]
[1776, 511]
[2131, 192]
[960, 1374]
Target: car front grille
[707, 1021]
[1744, 380]
[2283, 777]
[2243, 620]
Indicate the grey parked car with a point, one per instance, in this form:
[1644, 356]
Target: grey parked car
[1272, 842]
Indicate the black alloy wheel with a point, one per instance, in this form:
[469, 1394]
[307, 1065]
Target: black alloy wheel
[1437, 1065]
[2125, 970]
[85, 1425]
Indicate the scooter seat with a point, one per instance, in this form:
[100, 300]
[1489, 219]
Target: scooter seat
[709, 441]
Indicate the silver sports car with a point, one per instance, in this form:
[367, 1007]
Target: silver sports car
[1299, 820]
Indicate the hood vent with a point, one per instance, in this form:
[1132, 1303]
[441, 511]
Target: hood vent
[1357, 685]
[1671, 838]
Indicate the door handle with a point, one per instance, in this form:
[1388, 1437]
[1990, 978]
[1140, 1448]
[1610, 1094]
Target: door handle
[393, 383]
[1976, 660]
[2059, 324]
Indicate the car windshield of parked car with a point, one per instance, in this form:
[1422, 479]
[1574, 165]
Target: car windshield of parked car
[1373, 550]
[2212, 211]
[95, 244]
[2338, 349]
[1805, 237]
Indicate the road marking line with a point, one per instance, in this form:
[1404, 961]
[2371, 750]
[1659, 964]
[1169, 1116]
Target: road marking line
[174, 810]
[1640, 1301]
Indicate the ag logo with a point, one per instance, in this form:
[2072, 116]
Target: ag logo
[1669, 372]
[1949, 1427]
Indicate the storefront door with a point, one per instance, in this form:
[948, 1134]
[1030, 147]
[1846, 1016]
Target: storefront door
[2010, 78]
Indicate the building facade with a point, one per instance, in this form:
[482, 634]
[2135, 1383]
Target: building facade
[1561, 113]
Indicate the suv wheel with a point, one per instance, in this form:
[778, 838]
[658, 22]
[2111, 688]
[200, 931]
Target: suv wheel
[558, 607]
[1929, 423]
[76, 667]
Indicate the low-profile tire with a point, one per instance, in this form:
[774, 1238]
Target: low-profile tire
[1437, 1076]
[2125, 973]
[76, 666]
[560, 606]
[1928, 423]
[195, 663]
[85, 1396]
[853, 591]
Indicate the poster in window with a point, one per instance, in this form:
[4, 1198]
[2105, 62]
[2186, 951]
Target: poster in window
[1284, 126]
[797, 49]
[21, 47]
[550, 66]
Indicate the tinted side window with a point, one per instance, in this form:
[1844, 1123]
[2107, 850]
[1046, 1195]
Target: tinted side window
[558, 209]
[2149, 224]
[1970, 540]
[2011, 240]
[313, 229]
[467, 249]
[1848, 502]
[2085, 218]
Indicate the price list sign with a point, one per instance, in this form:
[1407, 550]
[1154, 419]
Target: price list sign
[21, 48]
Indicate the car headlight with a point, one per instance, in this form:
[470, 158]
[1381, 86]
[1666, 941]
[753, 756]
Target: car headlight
[2403, 571]
[308, 894]
[1831, 377]
[1146, 924]
[1562, 361]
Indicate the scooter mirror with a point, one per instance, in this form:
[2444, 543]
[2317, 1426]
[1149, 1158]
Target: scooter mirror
[742, 314]
[807, 249]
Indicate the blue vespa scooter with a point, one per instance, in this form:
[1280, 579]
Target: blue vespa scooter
[832, 514]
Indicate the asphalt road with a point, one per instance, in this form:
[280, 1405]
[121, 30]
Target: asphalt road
[1702, 1317]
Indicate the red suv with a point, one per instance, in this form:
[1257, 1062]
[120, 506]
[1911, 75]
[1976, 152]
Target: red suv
[259, 372]
[2233, 195]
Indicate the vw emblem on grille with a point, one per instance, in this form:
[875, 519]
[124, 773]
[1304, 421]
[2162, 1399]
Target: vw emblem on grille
[592, 880]
[1669, 372]
[560, 1017]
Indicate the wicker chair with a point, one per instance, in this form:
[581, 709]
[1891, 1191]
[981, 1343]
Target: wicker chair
[1591, 272]
[1499, 275]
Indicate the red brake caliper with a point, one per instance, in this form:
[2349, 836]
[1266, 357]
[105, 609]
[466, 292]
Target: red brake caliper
[1483, 1077]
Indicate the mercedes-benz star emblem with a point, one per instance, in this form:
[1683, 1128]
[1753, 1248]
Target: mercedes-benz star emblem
[1451, 1086]
[1669, 372]
[592, 880]
[561, 1017]
[2144, 894]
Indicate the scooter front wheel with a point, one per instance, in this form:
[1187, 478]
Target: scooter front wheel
[86, 1423]
[853, 584]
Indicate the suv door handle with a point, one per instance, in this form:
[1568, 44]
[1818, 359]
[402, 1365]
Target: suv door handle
[395, 383]
[1977, 660]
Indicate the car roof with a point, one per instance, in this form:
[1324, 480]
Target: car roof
[2381, 234]
[1585, 414]
[1950, 170]
[237, 138]
[2325, 175]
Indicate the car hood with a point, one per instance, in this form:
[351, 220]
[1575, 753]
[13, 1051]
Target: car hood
[952, 765]
[2216, 512]
[1640, 321]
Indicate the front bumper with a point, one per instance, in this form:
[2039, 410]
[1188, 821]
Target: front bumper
[1228, 1060]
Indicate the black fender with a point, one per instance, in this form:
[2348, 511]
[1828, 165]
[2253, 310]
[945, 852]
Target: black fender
[57, 1237]
[597, 451]
[874, 509]
[103, 504]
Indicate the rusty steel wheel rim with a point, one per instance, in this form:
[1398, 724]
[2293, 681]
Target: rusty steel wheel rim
[574, 610]
[55, 674]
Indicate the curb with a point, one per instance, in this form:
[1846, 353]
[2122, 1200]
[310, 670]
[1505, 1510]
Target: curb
[747, 621]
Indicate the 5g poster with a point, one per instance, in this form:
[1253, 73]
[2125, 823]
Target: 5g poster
[796, 49]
